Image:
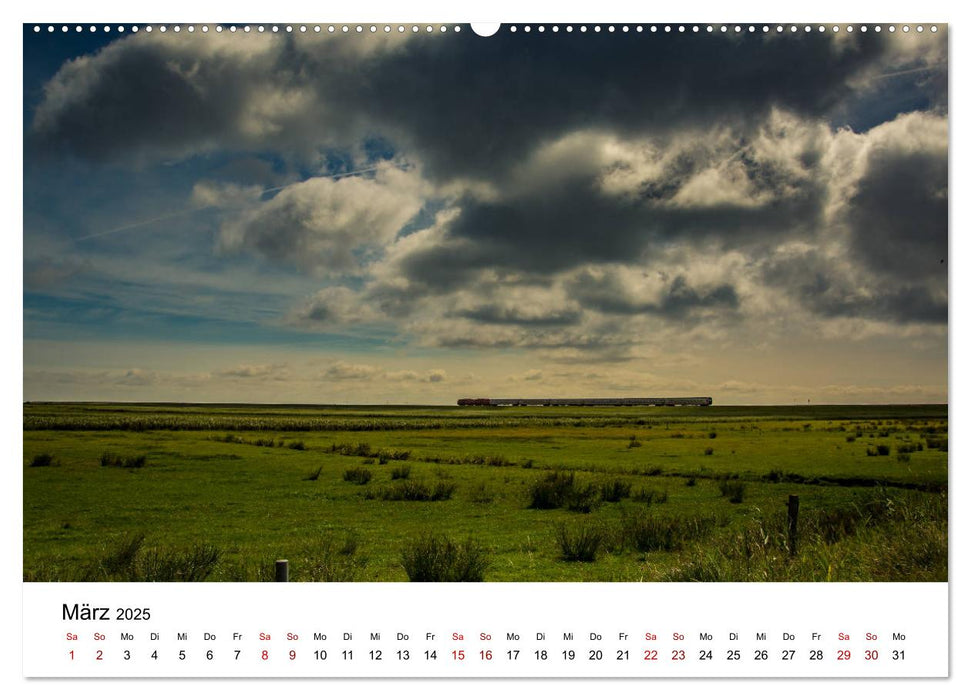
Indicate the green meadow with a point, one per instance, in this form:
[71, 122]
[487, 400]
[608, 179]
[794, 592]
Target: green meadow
[378, 493]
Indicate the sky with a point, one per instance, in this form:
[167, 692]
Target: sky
[415, 218]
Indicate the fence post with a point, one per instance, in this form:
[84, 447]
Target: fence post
[282, 570]
[793, 524]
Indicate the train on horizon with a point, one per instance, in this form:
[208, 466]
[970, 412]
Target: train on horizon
[664, 401]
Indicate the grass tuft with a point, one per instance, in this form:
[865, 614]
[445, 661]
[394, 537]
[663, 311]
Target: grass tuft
[579, 541]
[438, 558]
[358, 475]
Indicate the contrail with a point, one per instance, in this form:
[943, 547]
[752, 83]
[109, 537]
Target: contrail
[893, 74]
[183, 212]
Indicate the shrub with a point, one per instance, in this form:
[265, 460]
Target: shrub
[712, 435]
[615, 490]
[358, 475]
[297, 445]
[579, 541]
[690, 481]
[709, 451]
[314, 475]
[851, 438]
[45, 459]
[437, 558]
[634, 442]
[402, 472]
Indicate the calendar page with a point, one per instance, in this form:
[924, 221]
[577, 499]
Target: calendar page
[559, 350]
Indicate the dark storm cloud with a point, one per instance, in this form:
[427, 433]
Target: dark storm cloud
[145, 96]
[557, 226]
[677, 300]
[832, 290]
[894, 265]
[899, 213]
[468, 106]
[479, 119]
[507, 314]
[484, 103]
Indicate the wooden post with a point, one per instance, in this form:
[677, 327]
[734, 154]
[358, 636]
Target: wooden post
[282, 570]
[793, 524]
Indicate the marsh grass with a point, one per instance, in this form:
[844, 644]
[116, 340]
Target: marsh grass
[733, 489]
[561, 489]
[890, 538]
[412, 490]
[643, 532]
[358, 475]
[613, 491]
[194, 489]
[438, 558]
[128, 559]
[579, 541]
[109, 459]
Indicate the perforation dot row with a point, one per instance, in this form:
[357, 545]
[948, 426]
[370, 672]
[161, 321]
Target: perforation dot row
[725, 28]
[260, 28]
[428, 29]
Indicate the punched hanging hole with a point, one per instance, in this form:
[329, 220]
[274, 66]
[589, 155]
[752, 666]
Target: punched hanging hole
[485, 29]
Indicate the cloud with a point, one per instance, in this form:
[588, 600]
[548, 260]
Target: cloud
[341, 371]
[898, 213]
[47, 272]
[610, 292]
[333, 306]
[885, 250]
[149, 97]
[162, 96]
[603, 196]
[326, 226]
[273, 372]
[139, 377]
[435, 376]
